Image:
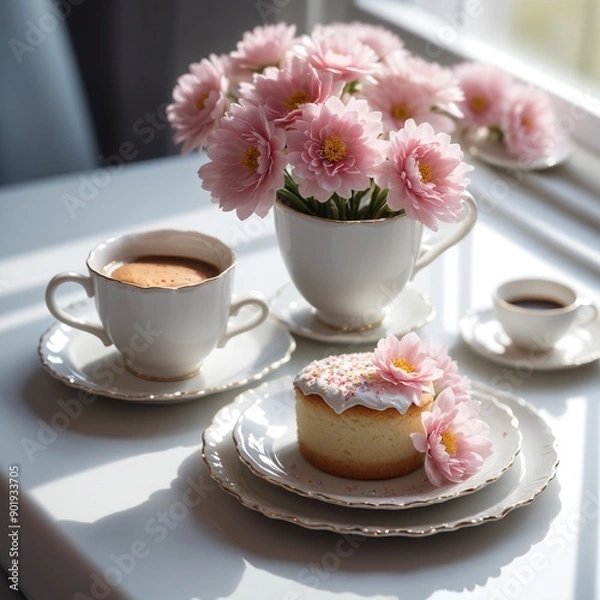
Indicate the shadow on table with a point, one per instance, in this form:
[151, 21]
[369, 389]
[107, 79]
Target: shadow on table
[195, 540]
[113, 429]
[524, 381]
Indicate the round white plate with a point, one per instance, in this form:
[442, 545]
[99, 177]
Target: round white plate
[266, 440]
[81, 360]
[495, 153]
[482, 332]
[533, 469]
[409, 311]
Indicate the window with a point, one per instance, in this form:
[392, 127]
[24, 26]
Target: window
[553, 43]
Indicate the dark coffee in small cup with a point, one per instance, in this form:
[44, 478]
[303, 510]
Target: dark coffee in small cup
[537, 313]
[535, 303]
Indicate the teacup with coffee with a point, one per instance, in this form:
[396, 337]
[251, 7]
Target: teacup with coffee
[164, 299]
[538, 313]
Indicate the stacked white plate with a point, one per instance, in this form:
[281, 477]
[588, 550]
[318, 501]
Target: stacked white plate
[251, 450]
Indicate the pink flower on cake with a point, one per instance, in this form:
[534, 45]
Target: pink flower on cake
[405, 362]
[454, 440]
[451, 378]
[264, 46]
[200, 101]
[247, 161]
[425, 174]
[334, 148]
[529, 123]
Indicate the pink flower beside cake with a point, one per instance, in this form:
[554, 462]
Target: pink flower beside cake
[383, 414]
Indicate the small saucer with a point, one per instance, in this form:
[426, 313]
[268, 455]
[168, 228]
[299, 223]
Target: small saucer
[496, 154]
[409, 311]
[81, 361]
[481, 331]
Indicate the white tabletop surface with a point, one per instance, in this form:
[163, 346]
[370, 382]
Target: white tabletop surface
[100, 489]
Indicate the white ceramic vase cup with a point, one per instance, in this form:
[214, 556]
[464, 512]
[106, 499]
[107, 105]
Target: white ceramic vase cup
[538, 313]
[162, 333]
[351, 271]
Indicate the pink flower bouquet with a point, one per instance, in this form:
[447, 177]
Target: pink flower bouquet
[343, 123]
[499, 108]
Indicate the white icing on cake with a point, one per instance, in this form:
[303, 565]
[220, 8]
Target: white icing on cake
[347, 380]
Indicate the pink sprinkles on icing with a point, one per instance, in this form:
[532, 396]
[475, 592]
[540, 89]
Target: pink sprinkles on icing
[350, 379]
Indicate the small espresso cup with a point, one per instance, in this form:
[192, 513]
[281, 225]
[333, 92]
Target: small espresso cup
[163, 330]
[538, 313]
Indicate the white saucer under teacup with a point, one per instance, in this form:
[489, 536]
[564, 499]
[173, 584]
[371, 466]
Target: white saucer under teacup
[81, 361]
[484, 334]
[409, 311]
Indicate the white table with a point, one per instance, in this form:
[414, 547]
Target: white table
[99, 492]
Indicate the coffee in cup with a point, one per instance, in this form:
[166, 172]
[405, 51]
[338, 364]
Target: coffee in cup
[164, 299]
[161, 271]
[538, 313]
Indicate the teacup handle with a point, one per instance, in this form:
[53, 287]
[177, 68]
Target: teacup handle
[586, 306]
[65, 317]
[469, 218]
[256, 319]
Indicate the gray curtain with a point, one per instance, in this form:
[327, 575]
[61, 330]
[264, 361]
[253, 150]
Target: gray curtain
[45, 125]
[130, 55]
[86, 82]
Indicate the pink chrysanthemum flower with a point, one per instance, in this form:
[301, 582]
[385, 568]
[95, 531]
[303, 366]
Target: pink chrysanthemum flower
[431, 79]
[334, 148]
[247, 161]
[264, 46]
[454, 440]
[399, 99]
[329, 49]
[485, 88]
[451, 378]
[381, 40]
[200, 103]
[284, 92]
[405, 362]
[529, 124]
[425, 174]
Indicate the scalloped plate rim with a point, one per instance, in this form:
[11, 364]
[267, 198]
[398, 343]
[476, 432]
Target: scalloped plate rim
[534, 470]
[382, 502]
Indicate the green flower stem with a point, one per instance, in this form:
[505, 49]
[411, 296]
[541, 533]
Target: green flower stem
[343, 209]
